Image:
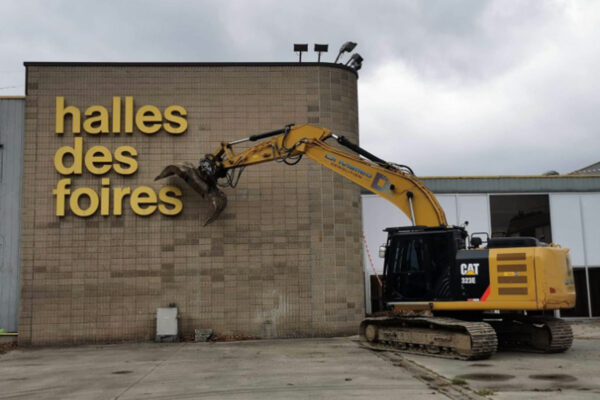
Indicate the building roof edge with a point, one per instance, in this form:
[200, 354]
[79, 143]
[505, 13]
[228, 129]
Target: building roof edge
[182, 64]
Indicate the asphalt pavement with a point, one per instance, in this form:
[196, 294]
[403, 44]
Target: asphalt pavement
[332, 368]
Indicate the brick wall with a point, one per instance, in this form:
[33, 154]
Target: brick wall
[283, 260]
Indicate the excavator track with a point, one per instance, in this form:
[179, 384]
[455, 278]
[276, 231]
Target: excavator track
[431, 336]
[533, 334]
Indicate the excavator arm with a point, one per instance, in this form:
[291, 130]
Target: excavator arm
[393, 182]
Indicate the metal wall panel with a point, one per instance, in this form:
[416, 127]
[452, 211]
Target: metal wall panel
[476, 210]
[448, 203]
[379, 214]
[590, 213]
[565, 220]
[12, 113]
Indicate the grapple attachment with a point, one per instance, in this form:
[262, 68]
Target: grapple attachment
[203, 180]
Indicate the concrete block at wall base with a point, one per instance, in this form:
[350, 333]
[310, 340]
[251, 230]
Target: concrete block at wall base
[202, 335]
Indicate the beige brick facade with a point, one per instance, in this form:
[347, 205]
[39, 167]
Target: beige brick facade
[283, 260]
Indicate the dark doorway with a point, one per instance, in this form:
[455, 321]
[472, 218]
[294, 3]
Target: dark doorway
[581, 302]
[594, 275]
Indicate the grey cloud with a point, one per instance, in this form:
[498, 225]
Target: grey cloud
[450, 87]
[437, 38]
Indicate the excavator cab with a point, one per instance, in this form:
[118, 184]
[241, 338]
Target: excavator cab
[420, 263]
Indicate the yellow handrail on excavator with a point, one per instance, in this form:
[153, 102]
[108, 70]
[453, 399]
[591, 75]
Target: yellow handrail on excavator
[393, 182]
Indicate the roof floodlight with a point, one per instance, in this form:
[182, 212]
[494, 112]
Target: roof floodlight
[321, 48]
[355, 62]
[300, 48]
[356, 58]
[346, 48]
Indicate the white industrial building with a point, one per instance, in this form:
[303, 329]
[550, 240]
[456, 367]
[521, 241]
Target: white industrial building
[563, 209]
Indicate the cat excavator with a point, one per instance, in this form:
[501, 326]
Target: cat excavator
[446, 296]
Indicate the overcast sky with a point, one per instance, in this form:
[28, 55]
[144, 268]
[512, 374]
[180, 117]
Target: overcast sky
[468, 87]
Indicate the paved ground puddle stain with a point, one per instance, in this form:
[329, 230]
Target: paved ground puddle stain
[554, 377]
[486, 377]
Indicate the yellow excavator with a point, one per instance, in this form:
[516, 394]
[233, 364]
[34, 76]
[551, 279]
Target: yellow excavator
[445, 295]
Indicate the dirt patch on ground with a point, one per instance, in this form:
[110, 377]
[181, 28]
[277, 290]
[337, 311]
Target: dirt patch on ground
[215, 337]
[6, 347]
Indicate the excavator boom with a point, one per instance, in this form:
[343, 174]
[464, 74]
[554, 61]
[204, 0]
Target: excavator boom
[393, 182]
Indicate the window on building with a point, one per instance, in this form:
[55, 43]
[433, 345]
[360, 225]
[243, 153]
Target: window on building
[521, 215]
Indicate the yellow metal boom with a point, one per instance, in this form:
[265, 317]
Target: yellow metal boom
[390, 181]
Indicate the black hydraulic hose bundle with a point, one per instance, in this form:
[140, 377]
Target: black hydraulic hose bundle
[295, 160]
[354, 147]
[233, 179]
